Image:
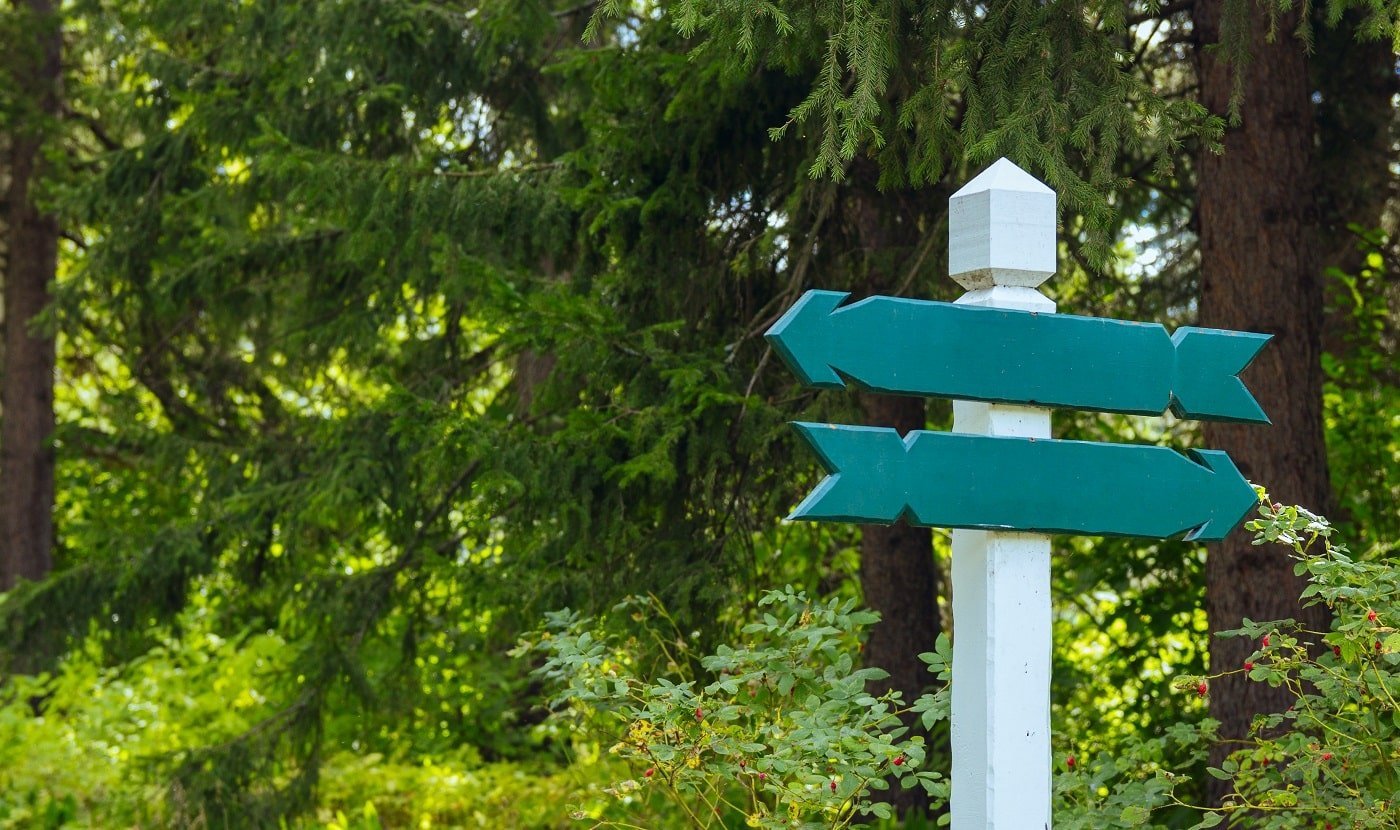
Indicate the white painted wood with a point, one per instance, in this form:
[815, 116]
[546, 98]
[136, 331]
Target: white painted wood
[1001, 229]
[1000, 250]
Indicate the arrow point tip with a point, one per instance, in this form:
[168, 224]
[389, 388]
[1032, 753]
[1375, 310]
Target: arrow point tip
[800, 337]
[1230, 495]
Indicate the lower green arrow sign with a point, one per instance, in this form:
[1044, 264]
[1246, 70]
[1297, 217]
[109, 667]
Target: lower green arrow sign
[940, 479]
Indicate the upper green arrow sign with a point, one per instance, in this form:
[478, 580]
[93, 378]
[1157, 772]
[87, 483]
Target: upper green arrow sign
[941, 479]
[917, 347]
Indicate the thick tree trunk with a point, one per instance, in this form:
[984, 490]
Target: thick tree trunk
[899, 575]
[4, 236]
[26, 392]
[1260, 271]
[898, 572]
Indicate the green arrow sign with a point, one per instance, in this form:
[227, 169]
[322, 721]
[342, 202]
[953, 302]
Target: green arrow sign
[940, 479]
[917, 347]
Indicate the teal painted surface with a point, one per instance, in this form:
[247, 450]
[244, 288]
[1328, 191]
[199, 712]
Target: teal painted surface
[940, 479]
[918, 347]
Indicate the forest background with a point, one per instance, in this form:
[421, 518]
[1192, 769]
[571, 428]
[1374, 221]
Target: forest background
[346, 340]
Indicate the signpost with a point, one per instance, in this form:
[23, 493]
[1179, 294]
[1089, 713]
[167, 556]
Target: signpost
[937, 479]
[999, 478]
[915, 347]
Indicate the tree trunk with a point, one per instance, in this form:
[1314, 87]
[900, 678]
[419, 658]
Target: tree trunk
[26, 392]
[1260, 271]
[898, 573]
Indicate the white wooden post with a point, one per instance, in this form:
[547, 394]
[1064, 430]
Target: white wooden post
[1001, 247]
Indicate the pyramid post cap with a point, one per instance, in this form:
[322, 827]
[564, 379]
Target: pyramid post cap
[1001, 229]
[1005, 175]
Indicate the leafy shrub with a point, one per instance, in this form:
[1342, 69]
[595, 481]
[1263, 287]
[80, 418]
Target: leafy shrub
[784, 734]
[79, 747]
[1333, 758]
[1132, 782]
[369, 792]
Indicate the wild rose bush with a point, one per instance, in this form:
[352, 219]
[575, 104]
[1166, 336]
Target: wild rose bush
[1332, 760]
[781, 733]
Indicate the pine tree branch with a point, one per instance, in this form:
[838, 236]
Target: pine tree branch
[78, 241]
[766, 316]
[1164, 11]
[1148, 43]
[94, 127]
[496, 171]
[587, 6]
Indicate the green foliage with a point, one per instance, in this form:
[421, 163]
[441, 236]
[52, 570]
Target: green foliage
[93, 745]
[371, 792]
[784, 734]
[1361, 398]
[386, 326]
[352, 344]
[919, 85]
[1133, 782]
[83, 746]
[1331, 758]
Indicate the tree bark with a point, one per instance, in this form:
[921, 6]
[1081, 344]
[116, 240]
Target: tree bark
[26, 392]
[1260, 271]
[898, 573]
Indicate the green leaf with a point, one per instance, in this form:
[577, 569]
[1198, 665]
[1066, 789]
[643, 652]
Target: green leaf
[1134, 815]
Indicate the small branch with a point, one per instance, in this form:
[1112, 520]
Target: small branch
[496, 171]
[98, 132]
[1164, 11]
[573, 10]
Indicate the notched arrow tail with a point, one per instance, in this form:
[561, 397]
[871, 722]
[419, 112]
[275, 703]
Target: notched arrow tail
[1206, 383]
[867, 478]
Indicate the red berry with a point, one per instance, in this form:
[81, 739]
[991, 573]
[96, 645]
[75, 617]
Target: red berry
[743, 763]
[1069, 762]
[763, 776]
[650, 772]
[1337, 651]
[1371, 615]
[1264, 641]
[1326, 756]
[1202, 688]
[833, 786]
[1248, 665]
[699, 714]
[899, 760]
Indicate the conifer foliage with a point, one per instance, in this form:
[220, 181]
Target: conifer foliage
[387, 326]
